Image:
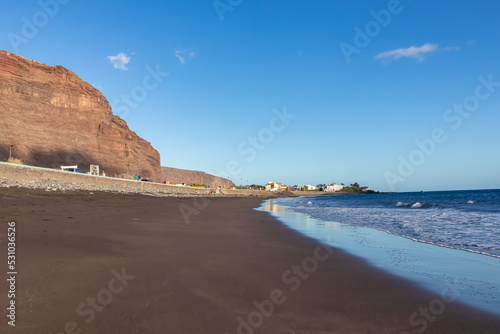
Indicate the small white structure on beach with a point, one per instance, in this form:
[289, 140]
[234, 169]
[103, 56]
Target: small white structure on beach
[69, 167]
[94, 170]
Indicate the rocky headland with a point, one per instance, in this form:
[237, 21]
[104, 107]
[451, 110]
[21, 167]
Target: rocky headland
[176, 176]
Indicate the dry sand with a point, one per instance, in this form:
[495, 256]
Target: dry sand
[105, 263]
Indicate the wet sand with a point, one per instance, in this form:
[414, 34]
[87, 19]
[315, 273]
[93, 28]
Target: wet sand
[103, 263]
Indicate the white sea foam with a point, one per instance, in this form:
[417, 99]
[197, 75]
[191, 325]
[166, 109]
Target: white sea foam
[416, 205]
[421, 261]
[474, 231]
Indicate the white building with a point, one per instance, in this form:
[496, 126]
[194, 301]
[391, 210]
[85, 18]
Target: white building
[273, 186]
[334, 188]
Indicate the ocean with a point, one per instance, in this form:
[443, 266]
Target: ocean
[435, 239]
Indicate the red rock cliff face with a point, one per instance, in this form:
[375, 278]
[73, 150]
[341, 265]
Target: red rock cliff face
[175, 175]
[54, 118]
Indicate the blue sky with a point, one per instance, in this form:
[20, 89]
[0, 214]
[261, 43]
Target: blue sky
[361, 83]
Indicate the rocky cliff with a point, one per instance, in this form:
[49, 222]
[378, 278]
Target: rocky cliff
[54, 118]
[175, 176]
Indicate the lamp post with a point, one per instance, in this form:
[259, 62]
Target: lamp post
[127, 171]
[10, 151]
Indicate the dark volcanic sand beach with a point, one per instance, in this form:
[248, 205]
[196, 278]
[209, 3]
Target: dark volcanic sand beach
[194, 278]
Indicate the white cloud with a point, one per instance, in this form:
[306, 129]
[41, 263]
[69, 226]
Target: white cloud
[411, 52]
[178, 54]
[120, 61]
[182, 55]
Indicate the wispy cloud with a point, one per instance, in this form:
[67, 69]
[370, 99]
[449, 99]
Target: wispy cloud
[411, 52]
[183, 55]
[414, 51]
[120, 61]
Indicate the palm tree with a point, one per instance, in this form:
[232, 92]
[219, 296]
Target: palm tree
[355, 186]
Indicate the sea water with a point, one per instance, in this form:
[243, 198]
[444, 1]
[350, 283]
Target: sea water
[447, 240]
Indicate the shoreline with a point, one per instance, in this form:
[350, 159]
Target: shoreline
[208, 275]
[401, 235]
[426, 264]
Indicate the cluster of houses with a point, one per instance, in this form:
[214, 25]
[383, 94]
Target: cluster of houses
[332, 188]
[276, 186]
